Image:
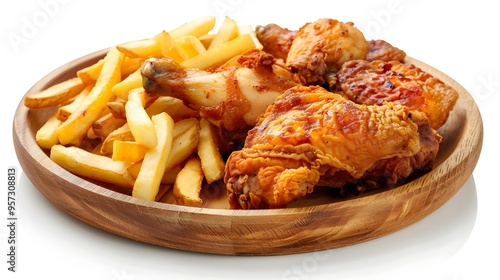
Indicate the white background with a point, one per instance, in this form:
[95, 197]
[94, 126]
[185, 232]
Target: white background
[458, 241]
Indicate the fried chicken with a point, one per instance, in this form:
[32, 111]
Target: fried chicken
[382, 50]
[322, 47]
[232, 97]
[375, 82]
[311, 136]
[275, 40]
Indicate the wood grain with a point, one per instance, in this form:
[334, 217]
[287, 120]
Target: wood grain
[316, 223]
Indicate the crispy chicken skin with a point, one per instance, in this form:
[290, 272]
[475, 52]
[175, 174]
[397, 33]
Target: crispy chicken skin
[382, 50]
[232, 97]
[323, 46]
[311, 136]
[375, 82]
[275, 40]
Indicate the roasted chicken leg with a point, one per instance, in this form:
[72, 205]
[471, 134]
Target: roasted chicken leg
[311, 136]
[232, 97]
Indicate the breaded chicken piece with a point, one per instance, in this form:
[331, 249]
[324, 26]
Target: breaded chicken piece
[311, 136]
[275, 40]
[323, 46]
[382, 50]
[375, 82]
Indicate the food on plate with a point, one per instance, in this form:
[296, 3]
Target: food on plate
[232, 96]
[147, 182]
[311, 136]
[211, 159]
[275, 39]
[322, 47]
[188, 183]
[270, 112]
[382, 50]
[378, 81]
[91, 165]
[55, 95]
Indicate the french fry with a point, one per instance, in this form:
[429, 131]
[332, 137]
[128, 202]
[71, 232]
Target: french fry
[106, 124]
[55, 95]
[46, 136]
[248, 29]
[188, 47]
[65, 111]
[197, 27]
[214, 57]
[174, 107]
[227, 32]
[90, 74]
[81, 120]
[167, 46]
[122, 133]
[128, 151]
[130, 65]
[138, 120]
[117, 108]
[148, 180]
[206, 39]
[86, 164]
[184, 143]
[140, 48]
[211, 160]
[187, 186]
[132, 81]
[168, 176]
[160, 45]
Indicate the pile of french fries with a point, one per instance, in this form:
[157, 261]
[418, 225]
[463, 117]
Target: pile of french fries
[107, 128]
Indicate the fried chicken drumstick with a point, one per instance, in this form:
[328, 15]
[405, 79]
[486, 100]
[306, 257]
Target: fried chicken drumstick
[232, 97]
[311, 136]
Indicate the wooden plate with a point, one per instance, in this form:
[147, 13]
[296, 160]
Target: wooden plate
[315, 223]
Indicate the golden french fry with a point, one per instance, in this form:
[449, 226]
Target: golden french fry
[187, 186]
[140, 49]
[248, 29]
[214, 57]
[198, 27]
[185, 141]
[130, 65]
[91, 73]
[81, 119]
[174, 107]
[122, 133]
[138, 120]
[211, 160]
[227, 32]
[65, 111]
[188, 47]
[46, 136]
[55, 95]
[86, 164]
[148, 180]
[167, 46]
[168, 176]
[128, 151]
[132, 81]
[160, 45]
[117, 108]
[106, 124]
[206, 39]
